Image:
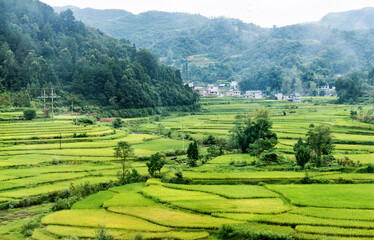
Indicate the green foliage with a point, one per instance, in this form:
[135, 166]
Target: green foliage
[86, 121]
[215, 151]
[349, 88]
[254, 136]
[29, 114]
[302, 153]
[117, 123]
[50, 49]
[156, 163]
[123, 151]
[319, 140]
[193, 154]
[231, 232]
[102, 234]
[64, 203]
[28, 227]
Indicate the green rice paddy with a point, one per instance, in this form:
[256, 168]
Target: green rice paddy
[228, 189]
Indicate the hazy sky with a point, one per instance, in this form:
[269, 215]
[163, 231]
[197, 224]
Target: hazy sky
[265, 13]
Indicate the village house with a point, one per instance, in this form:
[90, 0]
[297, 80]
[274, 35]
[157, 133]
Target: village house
[212, 90]
[328, 91]
[232, 93]
[253, 94]
[293, 97]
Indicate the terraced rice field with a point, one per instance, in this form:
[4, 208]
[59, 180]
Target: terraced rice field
[226, 190]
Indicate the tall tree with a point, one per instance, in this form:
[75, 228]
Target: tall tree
[123, 152]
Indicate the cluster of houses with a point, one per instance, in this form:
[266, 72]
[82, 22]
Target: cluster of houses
[220, 90]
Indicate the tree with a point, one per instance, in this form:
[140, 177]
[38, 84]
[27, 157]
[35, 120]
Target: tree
[117, 123]
[29, 114]
[156, 163]
[123, 151]
[302, 153]
[243, 135]
[193, 153]
[349, 88]
[261, 112]
[319, 140]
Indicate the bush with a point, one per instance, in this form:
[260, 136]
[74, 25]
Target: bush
[65, 203]
[271, 157]
[117, 123]
[55, 160]
[29, 114]
[28, 227]
[86, 121]
[178, 179]
[366, 169]
[102, 234]
[230, 232]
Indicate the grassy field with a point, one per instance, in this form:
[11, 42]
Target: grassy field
[229, 189]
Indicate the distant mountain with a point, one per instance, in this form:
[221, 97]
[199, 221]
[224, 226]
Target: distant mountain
[271, 59]
[144, 29]
[360, 19]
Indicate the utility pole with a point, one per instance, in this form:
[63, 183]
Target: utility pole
[72, 110]
[183, 135]
[76, 124]
[44, 103]
[52, 103]
[60, 140]
[218, 118]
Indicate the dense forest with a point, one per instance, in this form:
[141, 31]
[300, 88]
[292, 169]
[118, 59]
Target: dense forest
[299, 57]
[40, 48]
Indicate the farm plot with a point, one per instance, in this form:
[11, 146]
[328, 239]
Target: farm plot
[209, 203]
[359, 196]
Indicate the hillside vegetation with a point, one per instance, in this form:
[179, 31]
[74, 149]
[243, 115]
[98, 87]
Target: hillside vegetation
[40, 49]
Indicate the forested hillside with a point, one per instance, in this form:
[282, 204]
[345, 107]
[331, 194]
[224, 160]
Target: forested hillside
[351, 20]
[39, 48]
[291, 58]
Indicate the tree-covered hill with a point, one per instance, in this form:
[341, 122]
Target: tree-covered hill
[290, 58]
[40, 48]
[360, 19]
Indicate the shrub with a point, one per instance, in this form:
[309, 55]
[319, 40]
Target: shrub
[86, 121]
[29, 114]
[117, 123]
[366, 169]
[230, 232]
[55, 160]
[65, 203]
[28, 227]
[102, 234]
[271, 157]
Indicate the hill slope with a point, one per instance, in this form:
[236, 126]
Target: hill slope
[360, 19]
[208, 49]
[41, 48]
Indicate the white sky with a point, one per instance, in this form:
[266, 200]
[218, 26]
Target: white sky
[265, 13]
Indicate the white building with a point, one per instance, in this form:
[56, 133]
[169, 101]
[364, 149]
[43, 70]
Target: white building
[232, 93]
[212, 87]
[190, 84]
[279, 96]
[326, 89]
[293, 97]
[253, 94]
[234, 85]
